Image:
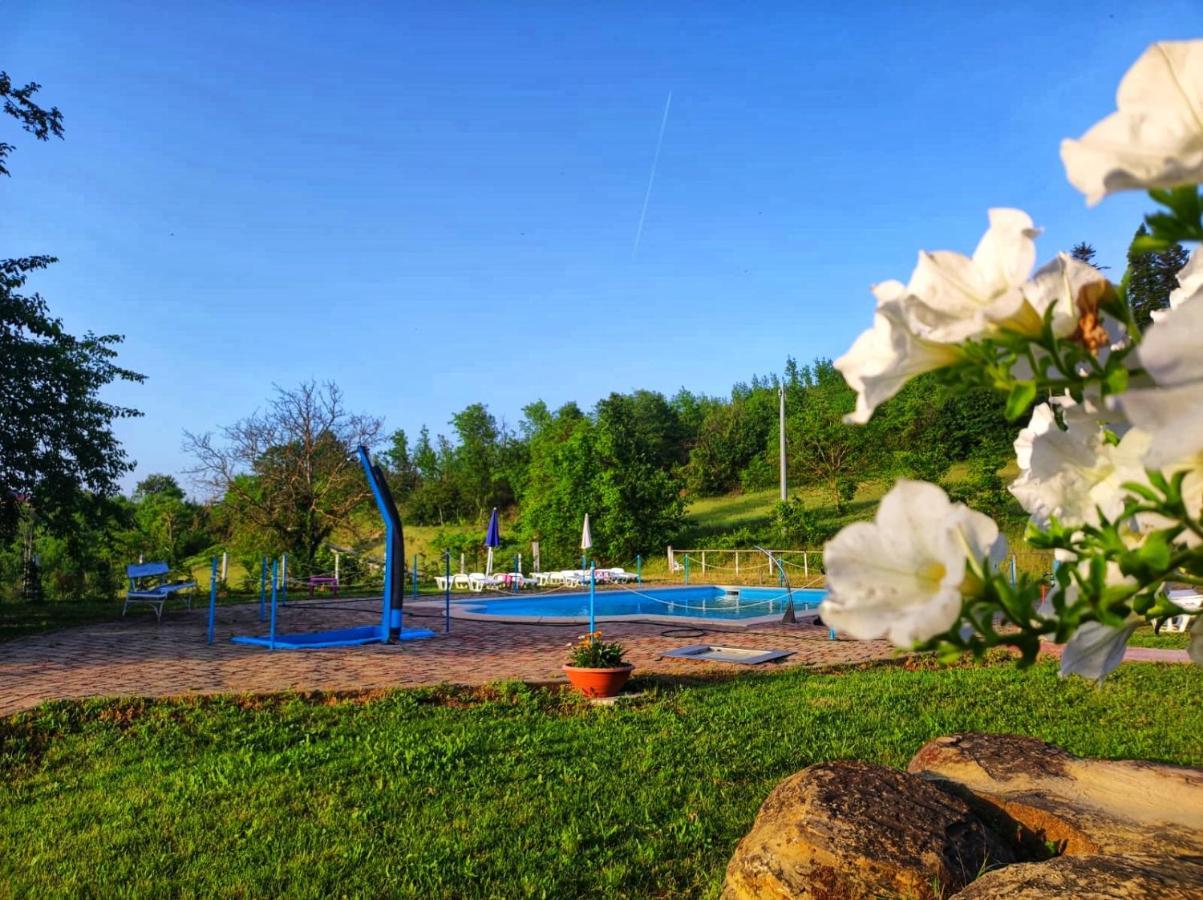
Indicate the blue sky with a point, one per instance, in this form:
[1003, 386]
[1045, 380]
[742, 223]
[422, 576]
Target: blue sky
[436, 204]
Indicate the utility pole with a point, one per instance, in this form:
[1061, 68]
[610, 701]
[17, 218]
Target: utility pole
[781, 437]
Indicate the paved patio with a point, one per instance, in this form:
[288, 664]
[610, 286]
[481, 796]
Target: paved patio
[135, 656]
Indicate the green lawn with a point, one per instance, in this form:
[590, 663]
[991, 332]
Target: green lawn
[523, 793]
[1144, 637]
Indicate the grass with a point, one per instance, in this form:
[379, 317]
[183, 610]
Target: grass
[19, 618]
[509, 792]
[1167, 640]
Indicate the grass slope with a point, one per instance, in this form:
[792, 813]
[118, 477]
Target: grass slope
[425, 794]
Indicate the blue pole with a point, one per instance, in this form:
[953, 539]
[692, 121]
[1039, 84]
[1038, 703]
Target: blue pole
[414, 576]
[592, 594]
[639, 569]
[386, 625]
[447, 591]
[271, 634]
[212, 596]
[687, 568]
[263, 592]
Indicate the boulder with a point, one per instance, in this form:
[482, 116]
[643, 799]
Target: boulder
[1077, 806]
[850, 830]
[1093, 878]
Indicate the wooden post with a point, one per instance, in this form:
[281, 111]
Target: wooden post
[336, 565]
[805, 565]
[736, 562]
[703, 562]
[225, 566]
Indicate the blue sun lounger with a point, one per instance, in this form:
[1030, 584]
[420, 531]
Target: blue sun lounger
[154, 594]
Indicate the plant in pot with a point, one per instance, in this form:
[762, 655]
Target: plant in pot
[596, 668]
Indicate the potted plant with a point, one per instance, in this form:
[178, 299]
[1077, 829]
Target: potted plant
[596, 668]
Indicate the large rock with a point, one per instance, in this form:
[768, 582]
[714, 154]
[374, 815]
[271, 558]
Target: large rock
[1081, 806]
[852, 830]
[1092, 878]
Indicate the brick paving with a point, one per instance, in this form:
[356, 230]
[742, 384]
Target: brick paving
[135, 657]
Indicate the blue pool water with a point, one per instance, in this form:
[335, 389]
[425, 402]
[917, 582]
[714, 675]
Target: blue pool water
[701, 602]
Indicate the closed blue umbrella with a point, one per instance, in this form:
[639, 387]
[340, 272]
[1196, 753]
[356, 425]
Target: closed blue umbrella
[492, 540]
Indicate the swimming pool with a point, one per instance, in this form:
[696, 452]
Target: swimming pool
[641, 602]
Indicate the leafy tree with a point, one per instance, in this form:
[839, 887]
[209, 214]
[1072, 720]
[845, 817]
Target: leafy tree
[1083, 252]
[304, 480]
[56, 437]
[639, 501]
[38, 121]
[167, 526]
[558, 492]
[1151, 277]
[824, 449]
[731, 436]
[477, 460]
[403, 473]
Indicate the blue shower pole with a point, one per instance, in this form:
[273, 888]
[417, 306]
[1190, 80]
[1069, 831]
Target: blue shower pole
[275, 596]
[447, 591]
[592, 596]
[212, 596]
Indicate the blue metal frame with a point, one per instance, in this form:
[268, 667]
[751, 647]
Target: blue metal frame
[212, 598]
[386, 631]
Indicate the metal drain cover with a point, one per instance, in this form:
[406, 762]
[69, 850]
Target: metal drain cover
[740, 655]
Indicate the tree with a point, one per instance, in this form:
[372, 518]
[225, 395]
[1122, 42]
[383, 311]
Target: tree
[168, 527]
[1084, 252]
[476, 459]
[403, 474]
[56, 437]
[19, 103]
[824, 449]
[291, 471]
[637, 498]
[1151, 277]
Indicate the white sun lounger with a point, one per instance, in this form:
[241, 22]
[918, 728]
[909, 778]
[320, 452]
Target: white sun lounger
[1189, 600]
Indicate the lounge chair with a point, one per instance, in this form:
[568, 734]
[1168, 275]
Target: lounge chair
[1187, 599]
[478, 581]
[142, 588]
[620, 574]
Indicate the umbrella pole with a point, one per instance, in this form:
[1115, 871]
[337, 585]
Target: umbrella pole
[592, 595]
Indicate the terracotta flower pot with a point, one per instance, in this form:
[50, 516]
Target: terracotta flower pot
[599, 682]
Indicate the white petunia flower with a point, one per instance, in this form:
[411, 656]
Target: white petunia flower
[1155, 137]
[1171, 411]
[1071, 288]
[1074, 473]
[901, 575]
[888, 355]
[956, 297]
[1190, 285]
[1096, 649]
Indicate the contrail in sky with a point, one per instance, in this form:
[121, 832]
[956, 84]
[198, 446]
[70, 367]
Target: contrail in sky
[652, 178]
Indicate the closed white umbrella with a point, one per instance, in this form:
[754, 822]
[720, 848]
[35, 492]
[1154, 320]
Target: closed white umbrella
[586, 542]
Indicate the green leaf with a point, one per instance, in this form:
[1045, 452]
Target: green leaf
[1023, 393]
[1116, 381]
